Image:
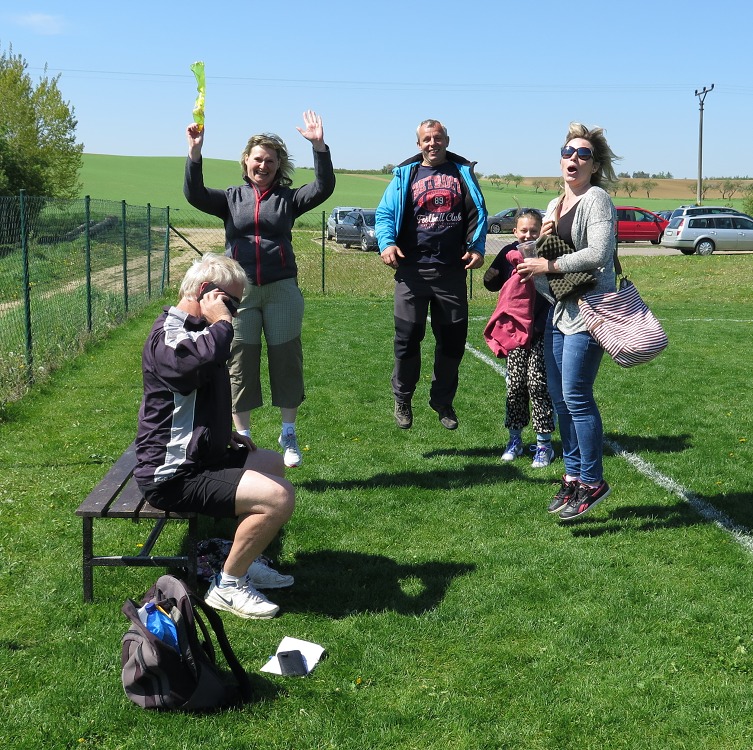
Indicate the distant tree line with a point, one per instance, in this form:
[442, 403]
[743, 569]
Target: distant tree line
[646, 176]
[726, 187]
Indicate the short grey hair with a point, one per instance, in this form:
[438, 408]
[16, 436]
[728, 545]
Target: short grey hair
[431, 124]
[217, 269]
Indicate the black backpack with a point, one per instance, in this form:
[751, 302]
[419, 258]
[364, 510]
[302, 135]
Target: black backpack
[156, 676]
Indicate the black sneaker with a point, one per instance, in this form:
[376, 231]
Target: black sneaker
[586, 498]
[403, 414]
[567, 491]
[447, 415]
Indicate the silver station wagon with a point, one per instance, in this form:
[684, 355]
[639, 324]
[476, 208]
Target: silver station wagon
[704, 234]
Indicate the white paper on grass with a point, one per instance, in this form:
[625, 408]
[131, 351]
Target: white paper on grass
[311, 653]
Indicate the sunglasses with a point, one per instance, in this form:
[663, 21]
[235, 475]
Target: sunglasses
[231, 302]
[584, 153]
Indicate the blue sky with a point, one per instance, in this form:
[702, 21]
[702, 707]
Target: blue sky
[505, 79]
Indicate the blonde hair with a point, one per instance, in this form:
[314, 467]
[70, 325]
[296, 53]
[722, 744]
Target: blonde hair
[285, 169]
[604, 176]
[218, 269]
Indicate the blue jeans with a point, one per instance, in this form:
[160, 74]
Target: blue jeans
[572, 362]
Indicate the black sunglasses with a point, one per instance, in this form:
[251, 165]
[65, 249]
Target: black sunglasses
[583, 152]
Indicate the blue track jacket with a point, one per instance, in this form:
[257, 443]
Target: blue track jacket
[391, 209]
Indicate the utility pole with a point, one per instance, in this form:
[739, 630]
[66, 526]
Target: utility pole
[701, 97]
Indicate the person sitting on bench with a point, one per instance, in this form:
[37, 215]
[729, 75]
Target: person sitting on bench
[188, 456]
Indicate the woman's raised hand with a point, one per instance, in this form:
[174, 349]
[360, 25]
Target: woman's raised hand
[195, 138]
[313, 131]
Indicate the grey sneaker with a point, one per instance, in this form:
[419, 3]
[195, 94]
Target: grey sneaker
[262, 576]
[447, 415]
[543, 455]
[403, 414]
[242, 600]
[291, 452]
[514, 449]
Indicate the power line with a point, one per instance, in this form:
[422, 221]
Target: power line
[459, 87]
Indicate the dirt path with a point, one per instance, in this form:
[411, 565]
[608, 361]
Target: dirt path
[111, 279]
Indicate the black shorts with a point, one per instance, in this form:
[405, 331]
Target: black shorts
[210, 491]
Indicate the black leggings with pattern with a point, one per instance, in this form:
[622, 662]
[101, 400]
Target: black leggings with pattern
[527, 392]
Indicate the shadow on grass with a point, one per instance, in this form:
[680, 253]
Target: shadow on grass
[650, 443]
[737, 505]
[485, 452]
[635, 518]
[431, 478]
[338, 584]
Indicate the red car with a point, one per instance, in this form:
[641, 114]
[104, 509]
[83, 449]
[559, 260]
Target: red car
[639, 225]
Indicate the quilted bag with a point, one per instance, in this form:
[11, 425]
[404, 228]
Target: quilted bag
[563, 285]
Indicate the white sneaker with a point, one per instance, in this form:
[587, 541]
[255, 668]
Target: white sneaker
[291, 452]
[242, 600]
[513, 450]
[261, 576]
[543, 456]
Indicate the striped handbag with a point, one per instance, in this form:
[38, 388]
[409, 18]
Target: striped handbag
[622, 323]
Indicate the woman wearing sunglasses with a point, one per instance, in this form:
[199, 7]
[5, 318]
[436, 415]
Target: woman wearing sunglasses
[583, 217]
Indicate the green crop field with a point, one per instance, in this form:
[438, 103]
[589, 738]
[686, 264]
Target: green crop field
[139, 180]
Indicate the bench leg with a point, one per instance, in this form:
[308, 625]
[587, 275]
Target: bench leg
[88, 549]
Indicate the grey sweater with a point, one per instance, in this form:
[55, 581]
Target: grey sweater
[594, 240]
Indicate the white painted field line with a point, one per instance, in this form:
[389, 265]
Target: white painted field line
[741, 534]
[487, 360]
[709, 320]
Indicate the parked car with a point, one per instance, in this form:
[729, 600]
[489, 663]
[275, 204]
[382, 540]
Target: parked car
[639, 225]
[337, 215]
[504, 221]
[704, 234]
[665, 214]
[704, 210]
[357, 228]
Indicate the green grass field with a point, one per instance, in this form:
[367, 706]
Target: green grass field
[456, 613]
[159, 180]
[139, 180]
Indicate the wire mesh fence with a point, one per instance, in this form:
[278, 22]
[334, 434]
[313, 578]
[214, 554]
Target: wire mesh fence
[69, 271]
[72, 269]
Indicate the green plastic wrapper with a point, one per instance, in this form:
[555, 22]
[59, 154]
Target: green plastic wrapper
[201, 86]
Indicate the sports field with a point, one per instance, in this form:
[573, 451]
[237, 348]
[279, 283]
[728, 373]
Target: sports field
[455, 612]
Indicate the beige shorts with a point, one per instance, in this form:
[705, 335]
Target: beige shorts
[276, 311]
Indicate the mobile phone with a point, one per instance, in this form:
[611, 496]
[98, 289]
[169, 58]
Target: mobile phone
[292, 663]
[227, 299]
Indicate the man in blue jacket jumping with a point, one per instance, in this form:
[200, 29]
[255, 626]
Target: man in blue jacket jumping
[431, 228]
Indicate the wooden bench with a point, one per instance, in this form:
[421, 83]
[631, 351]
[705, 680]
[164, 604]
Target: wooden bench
[118, 496]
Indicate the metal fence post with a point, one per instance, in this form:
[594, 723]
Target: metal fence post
[27, 288]
[166, 258]
[149, 250]
[125, 255]
[88, 260]
[324, 232]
